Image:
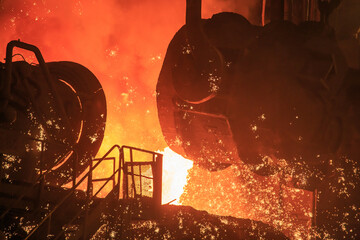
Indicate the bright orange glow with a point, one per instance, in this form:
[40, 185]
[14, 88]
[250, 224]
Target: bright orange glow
[175, 172]
[238, 192]
[124, 43]
[174, 179]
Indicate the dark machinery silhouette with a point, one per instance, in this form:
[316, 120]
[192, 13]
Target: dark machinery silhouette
[52, 118]
[230, 91]
[52, 122]
[228, 88]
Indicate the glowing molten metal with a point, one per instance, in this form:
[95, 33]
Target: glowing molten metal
[175, 172]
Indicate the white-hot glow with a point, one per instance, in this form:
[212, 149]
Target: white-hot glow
[175, 171]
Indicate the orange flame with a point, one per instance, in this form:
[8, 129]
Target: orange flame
[175, 171]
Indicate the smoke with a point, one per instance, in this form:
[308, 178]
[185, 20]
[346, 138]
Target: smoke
[123, 42]
[251, 9]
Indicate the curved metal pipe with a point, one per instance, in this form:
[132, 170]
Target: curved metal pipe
[6, 91]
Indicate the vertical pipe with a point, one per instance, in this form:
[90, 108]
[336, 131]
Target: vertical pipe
[276, 10]
[263, 8]
[114, 170]
[193, 12]
[126, 183]
[140, 180]
[132, 171]
[308, 3]
[158, 180]
[288, 10]
[121, 168]
[6, 87]
[89, 183]
[153, 166]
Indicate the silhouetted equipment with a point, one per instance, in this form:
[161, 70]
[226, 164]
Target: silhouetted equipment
[53, 113]
[130, 192]
[52, 119]
[52, 122]
[228, 88]
[230, 91]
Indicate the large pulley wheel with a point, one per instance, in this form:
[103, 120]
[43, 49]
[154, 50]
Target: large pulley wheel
[84, 104]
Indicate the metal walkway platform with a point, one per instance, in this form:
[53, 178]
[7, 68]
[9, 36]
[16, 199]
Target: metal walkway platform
[78, 210]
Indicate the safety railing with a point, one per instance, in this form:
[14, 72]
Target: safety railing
[149, 169]
[156, 171]
[105, 179]
[73, 189]
[89, 192]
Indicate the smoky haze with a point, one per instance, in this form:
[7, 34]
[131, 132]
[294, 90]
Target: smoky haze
[122, 42]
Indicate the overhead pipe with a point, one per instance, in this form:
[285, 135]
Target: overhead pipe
[193, 12]
[276, 10]
[202, 59]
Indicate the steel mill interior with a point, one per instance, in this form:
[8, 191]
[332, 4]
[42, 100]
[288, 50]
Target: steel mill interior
[183, 119]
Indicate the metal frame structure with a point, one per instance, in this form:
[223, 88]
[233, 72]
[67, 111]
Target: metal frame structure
[119, 178]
